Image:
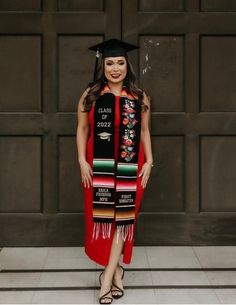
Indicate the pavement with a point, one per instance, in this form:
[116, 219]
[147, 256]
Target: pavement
[157, 275]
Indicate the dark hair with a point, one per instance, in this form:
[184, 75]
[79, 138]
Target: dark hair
[97, 85]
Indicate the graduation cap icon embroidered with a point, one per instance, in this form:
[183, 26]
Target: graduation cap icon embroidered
[104, 136]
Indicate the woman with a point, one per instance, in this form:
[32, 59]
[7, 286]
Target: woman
[115, 157]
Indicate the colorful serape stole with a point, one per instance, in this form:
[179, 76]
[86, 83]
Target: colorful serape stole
[115, 184]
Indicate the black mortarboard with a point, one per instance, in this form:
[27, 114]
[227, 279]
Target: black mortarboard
[111, 47]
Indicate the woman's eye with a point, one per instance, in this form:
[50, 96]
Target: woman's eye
[110, 64]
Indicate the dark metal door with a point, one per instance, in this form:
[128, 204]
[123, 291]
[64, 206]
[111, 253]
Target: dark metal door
[186, 62]
[44, 68]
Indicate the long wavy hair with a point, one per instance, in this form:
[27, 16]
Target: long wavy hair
[96, 86]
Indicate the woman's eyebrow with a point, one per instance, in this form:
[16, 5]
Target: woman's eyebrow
[109, 60]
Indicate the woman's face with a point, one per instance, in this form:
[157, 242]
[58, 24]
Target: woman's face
[115, 69]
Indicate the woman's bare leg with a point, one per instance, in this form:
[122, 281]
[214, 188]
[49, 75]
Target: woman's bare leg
[113, 265]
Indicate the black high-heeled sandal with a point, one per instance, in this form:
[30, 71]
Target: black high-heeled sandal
[104, 296]
[117, 296]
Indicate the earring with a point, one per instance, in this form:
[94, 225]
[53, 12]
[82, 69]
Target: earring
[125, 82]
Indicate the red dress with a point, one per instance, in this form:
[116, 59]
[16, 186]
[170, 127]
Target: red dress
[99, 250]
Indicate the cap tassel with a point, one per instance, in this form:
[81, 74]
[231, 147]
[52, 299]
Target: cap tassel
[96, 64]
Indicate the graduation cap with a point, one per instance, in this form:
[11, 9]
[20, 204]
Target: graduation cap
[104, 135]
[111, 47]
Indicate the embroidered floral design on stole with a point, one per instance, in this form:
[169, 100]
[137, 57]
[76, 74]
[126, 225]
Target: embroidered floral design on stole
[129, 121]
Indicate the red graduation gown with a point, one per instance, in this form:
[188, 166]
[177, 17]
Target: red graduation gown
[99, 250]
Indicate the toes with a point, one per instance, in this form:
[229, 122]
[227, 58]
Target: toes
[116, 293]
[105, 300]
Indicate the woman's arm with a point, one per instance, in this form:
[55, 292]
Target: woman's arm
[81, 141]
[146, 140]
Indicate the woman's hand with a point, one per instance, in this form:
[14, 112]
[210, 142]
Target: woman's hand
[86, 173]
[145, 172]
